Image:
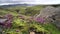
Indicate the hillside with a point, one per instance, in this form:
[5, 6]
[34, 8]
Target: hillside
[18, 19]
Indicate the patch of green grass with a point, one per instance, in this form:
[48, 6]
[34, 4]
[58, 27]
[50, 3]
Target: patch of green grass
[51, 28]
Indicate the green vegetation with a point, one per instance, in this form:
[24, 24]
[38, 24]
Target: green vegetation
[21, 26]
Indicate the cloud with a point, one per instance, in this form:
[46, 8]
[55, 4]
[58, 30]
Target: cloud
[30, 1]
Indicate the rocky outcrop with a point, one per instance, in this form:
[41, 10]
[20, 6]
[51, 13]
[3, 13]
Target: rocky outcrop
[51, 14]
[47, 11]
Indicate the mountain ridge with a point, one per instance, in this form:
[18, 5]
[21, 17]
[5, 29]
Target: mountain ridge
[12, 5]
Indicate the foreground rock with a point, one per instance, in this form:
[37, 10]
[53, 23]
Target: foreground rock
[2, 20]
[51, 14]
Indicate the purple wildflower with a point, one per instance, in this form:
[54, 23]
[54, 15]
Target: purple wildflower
[8, 16]
[21, 17]
[17, 30]
[39, 20]
[8, 25]
[7, 22]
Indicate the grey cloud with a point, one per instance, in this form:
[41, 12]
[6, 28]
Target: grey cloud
[8, 1]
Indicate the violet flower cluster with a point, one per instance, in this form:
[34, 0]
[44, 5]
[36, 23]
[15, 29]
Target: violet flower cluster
[39, 20]
[7, 23]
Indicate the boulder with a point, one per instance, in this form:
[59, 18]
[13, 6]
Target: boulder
[2, 20]
[47, 11]
[51, 14]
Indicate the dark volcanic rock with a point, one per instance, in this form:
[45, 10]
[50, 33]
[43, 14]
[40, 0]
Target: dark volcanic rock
[51, 14]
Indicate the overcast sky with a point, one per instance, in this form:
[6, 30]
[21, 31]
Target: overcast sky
[2, 2]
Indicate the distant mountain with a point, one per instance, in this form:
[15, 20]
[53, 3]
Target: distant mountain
[12, 5]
